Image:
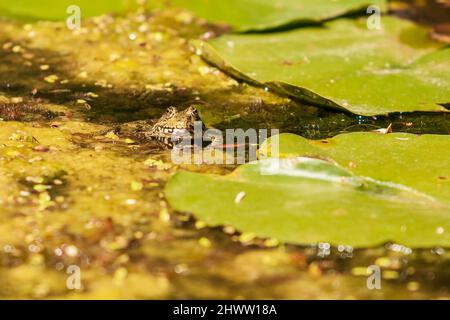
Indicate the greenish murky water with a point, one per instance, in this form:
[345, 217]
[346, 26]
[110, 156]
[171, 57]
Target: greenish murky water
[72, 195]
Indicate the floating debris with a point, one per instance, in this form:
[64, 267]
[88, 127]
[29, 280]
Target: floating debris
[247, 238]
[204, 242]
[164, 215]
[272, 242]
[239, 197]
[390, 274]
[181, 268]
[360, 271]
[17, 49]
[51, 79]
[384, 130]
[131, 202]
[136, 186]
[200, 224]
[413, 286]
[158, 164]
[71, 251]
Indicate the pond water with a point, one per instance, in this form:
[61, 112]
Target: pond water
[72, 195]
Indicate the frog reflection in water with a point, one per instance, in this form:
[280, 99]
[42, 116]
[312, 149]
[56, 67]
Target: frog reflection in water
[171, 124]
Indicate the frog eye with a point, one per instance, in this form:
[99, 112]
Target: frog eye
[191, 111]
[171, 111]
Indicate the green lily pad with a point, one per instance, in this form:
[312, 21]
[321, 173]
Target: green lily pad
[258, 15]
[416, 161]
[357, 189]
[342, 65]
[57, 10]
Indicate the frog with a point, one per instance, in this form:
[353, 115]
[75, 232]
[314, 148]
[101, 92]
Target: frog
[165, 130]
